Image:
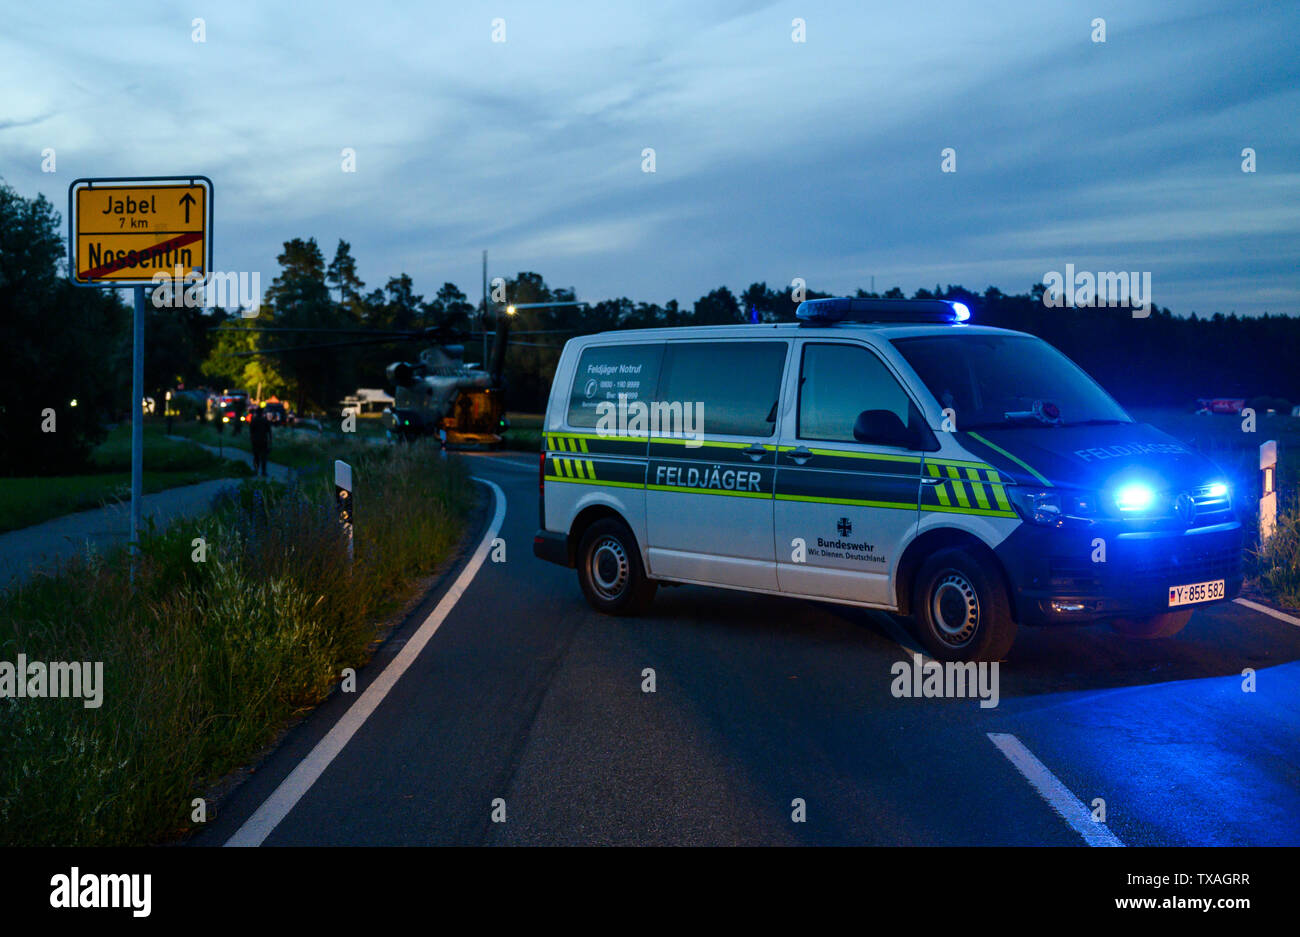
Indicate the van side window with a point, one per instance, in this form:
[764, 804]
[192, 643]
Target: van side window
[737, 382]
[837, 383]
[606, 371]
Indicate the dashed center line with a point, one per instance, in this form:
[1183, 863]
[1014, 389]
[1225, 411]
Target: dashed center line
[1057, 795]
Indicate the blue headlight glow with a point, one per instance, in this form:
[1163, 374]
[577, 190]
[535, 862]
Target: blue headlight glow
[1218, 490]
[1135, 497]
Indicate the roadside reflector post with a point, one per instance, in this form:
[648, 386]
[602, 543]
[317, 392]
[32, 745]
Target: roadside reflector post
[1268, 496]
[344, 499]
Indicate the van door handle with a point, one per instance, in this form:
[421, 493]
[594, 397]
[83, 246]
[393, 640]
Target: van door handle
[800, 455]
[930, 480]
[755, 452]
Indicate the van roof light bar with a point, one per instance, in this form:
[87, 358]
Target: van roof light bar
[830, 311]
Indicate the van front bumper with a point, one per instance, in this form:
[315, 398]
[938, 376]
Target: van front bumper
[1061, 576]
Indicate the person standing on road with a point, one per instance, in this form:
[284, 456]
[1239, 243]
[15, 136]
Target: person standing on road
[259, 434]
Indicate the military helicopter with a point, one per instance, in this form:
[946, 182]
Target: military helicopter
[436, 392]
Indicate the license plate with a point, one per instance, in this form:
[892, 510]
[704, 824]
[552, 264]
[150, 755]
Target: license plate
[1196, 592]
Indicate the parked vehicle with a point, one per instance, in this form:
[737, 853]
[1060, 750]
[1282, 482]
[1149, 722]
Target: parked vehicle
[880, 453]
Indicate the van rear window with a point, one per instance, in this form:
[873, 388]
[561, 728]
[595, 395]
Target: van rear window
[738, 384]
[606, 371]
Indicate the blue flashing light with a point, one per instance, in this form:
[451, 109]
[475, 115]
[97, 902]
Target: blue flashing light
[1135, 497]
[1218, 490]
[830, 311]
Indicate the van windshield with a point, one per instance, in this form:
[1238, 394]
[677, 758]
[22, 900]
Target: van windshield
[996, 380]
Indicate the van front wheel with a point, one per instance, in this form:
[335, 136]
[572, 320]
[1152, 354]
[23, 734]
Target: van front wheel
[961, 608]
[610, 570]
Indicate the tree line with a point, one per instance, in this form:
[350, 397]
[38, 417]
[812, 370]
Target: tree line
[1158, 360]
[66, 343]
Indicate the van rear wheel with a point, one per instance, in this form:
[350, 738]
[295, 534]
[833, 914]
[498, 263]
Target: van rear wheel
[610, 570]
[961, 608]
[1164, 625]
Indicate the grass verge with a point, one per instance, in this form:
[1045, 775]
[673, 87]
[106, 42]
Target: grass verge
[168, 463]
[204, 662]
[525, 432]
[296, 448]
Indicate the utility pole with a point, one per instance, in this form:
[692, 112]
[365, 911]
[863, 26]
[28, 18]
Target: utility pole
[137, 426]
[483, 320]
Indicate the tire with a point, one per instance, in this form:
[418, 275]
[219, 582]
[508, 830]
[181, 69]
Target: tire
[961, 607]
[1163, 625]
[610, 570]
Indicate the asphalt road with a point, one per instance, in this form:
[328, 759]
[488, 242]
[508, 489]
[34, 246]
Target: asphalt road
[524, 693]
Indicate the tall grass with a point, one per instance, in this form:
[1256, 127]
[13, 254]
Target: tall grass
[204, 662]
[1274, 566]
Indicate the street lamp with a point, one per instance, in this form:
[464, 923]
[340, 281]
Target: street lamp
[510, 310]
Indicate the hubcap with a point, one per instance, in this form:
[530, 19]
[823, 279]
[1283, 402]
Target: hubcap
[609, 568]
[955, 609]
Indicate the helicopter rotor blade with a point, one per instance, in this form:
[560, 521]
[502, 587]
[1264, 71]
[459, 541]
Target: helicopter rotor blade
[531, 332]
[318, 347]
[335, 331]
[432, 334]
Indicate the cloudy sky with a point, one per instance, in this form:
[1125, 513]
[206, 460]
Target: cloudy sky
[774, 159]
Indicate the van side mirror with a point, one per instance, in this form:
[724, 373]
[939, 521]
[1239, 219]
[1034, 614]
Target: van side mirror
[883, 428]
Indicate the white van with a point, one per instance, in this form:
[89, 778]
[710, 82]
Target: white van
[879, 453]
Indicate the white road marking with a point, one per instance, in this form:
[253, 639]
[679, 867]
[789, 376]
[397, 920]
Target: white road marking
[899, 635]
[531, 466]
[276, 807]
[494, 459]
[1289, 619]
[1057, 795]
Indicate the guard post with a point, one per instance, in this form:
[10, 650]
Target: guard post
[1268, 495]
[344, 499]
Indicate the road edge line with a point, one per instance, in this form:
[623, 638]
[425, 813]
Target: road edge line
[273, 810]
[1272, 612]
[1059, 797]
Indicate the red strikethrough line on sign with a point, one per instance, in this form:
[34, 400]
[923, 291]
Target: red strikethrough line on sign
[161, 247]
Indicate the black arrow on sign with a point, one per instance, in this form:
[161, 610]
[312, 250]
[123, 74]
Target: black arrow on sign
[187, 200]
